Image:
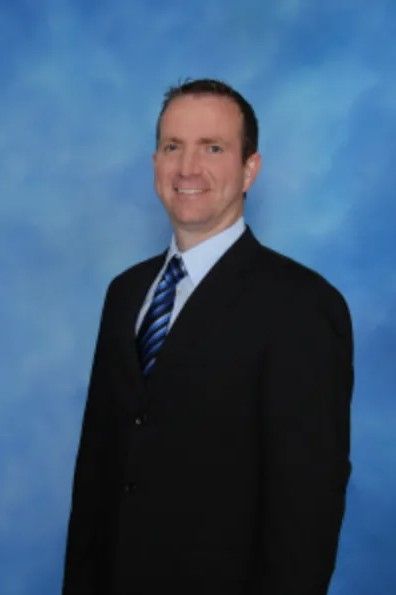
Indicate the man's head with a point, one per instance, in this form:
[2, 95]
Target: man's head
[206, 158]
[217, 88]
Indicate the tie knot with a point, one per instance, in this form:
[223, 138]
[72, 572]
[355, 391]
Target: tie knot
[176, 269]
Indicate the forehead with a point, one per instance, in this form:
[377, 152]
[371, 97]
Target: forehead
[205, 114]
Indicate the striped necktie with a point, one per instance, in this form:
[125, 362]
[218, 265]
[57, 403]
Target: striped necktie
[154, 328]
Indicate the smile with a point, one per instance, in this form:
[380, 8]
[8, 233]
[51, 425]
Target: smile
[190, 190]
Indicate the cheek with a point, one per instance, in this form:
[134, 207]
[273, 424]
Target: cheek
[231, 174]
[233, 180]
[163, 174]
[163, 183]
[159, 177]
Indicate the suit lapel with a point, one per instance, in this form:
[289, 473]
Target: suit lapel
[207, 306]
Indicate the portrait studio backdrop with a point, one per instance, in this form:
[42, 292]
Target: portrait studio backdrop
[81, 84]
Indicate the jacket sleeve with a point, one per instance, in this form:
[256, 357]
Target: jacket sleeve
[306, 389]
[86, 520]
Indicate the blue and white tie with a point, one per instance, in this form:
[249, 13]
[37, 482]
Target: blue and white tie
[154, 327]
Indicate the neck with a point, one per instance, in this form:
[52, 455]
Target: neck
[187, 238]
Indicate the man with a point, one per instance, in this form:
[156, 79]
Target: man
[214, 452]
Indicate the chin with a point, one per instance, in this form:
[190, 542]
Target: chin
[189, 222]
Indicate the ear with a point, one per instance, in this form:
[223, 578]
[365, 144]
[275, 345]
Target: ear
[251, 169]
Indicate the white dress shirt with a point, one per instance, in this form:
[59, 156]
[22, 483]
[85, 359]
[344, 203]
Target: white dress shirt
[197, 261]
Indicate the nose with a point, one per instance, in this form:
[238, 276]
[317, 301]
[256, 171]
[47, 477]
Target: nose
[189, 162]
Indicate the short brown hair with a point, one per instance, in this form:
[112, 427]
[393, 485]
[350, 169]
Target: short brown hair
[216, 87]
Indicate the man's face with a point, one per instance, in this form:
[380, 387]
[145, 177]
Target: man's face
[199, 174]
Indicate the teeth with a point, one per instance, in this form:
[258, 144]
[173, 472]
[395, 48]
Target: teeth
[189, 190]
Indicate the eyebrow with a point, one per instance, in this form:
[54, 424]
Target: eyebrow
[212, 140]
[170, 139]
[202, 141]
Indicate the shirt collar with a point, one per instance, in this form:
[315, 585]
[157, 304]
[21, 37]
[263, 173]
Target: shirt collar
[199, 259]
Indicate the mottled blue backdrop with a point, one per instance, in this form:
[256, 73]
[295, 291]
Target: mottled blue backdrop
[81, 82]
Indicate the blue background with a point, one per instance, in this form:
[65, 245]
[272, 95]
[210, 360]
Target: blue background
[81, 83]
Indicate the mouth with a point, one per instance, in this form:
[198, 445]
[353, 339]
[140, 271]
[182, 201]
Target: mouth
[190, 191]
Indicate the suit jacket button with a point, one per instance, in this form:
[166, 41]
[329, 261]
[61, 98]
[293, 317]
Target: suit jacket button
[140, 420]
[129, 487]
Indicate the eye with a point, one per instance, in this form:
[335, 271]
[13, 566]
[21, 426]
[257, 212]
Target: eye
[215, 149]
[169, 147]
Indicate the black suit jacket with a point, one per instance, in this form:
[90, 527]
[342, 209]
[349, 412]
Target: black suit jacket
[225, 472]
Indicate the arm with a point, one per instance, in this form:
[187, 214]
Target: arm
[84, 535]
[307, 385]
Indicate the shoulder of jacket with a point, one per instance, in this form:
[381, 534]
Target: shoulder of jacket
[302, 292]
[297, 277]
[133, 273]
